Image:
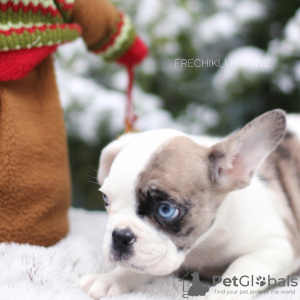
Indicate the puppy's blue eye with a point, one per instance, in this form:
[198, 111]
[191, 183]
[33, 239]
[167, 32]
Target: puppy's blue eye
[167, 211]
[105, 199]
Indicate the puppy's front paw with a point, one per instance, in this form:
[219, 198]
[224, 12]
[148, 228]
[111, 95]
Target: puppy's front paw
[103, 285]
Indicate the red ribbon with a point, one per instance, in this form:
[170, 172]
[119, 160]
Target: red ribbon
[130, 116]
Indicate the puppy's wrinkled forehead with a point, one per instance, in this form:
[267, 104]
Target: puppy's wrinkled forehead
[165, 158]
[134, 158]
[176, 167]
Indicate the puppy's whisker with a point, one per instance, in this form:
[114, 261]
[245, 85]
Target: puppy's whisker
[93, 182]
[93, 169]
[205, 255]
[90, 176]
[186, 267]
[213, 250]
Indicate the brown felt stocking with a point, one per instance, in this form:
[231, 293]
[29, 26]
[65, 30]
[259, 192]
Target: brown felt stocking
[34, 169]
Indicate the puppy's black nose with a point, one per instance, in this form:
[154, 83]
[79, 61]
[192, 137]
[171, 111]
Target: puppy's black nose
[122, 238]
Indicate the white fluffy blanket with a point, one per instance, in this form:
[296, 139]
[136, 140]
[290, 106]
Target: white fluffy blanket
[38, 273]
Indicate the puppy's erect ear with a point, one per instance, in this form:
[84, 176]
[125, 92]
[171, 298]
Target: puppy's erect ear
[233, 161]
[110, 152]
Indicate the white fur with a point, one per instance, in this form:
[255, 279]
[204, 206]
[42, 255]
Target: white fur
[293, 123]
[255, 243]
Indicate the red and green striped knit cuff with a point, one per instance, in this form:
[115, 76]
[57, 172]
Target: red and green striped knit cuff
[122, 44]
[37, 36]
[30, 24]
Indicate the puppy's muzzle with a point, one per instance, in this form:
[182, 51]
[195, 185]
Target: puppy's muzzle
[122, 243]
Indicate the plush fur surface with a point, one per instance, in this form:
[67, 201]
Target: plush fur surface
[38, 273]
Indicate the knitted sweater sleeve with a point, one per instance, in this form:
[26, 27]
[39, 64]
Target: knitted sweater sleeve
[108, 32]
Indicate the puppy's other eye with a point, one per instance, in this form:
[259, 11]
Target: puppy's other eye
[167, 211]
[105, 199]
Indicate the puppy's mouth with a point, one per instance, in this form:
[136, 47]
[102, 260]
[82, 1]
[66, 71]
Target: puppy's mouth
[144, 265]
[130, 265]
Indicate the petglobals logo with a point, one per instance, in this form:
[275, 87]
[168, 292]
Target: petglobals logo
[246, 284]
[251, 281]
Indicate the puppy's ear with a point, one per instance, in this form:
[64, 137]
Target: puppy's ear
[109, 153]
[233, 161]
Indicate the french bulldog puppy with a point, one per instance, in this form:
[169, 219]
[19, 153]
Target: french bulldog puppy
[229, 205]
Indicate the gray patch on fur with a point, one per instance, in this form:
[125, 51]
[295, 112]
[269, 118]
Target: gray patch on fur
[179, 170]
